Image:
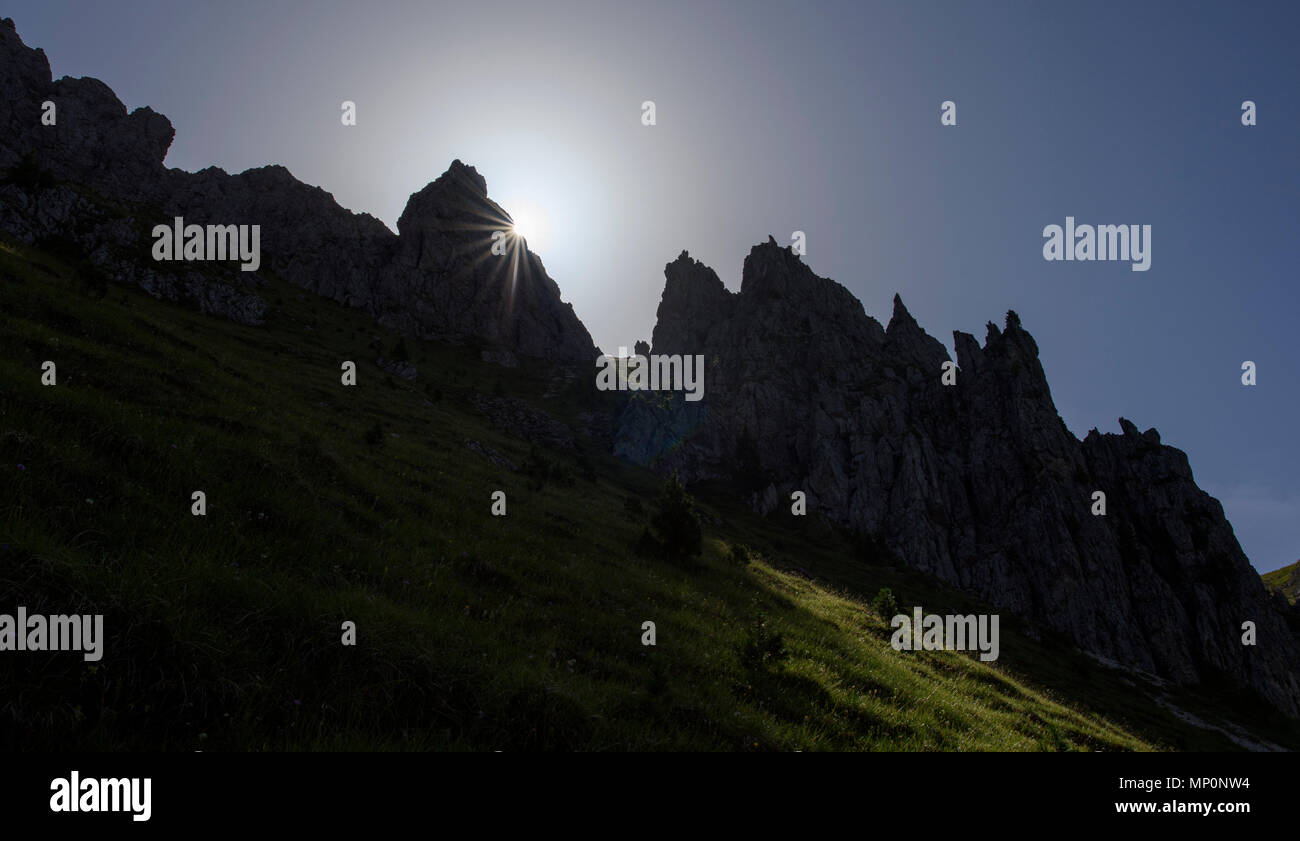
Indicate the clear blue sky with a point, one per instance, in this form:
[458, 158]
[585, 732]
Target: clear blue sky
[824, 118]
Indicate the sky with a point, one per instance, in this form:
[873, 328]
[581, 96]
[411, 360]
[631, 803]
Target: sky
[823, 118]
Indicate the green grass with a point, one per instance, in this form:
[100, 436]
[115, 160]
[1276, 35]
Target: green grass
[1285, 580]
[474, 632]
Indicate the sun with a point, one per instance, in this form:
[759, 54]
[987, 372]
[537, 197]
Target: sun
[530, 223]
[523, 225]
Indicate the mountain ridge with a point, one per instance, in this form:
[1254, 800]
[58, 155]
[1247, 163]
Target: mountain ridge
[437, 278]
[979, 483]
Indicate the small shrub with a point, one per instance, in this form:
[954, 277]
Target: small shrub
[675, 525]
[884, 604]
[741, 555]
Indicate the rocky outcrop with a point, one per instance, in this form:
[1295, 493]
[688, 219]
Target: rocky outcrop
[94, 182]
[979, 483]
[507, 301]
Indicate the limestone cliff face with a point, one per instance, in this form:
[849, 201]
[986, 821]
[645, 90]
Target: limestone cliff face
[95, 182]
[979, 483]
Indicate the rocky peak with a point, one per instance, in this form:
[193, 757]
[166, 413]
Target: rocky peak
[445, 237]
[24, 78]
[1009, 358]
[694, 300]
[773, 271]
[94, 141]
[432, 281]
[450, 219]
[467, 176]
[906, 341]
[452, 201]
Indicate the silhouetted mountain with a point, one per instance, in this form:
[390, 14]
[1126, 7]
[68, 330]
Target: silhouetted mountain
[979, 483]
[95, 180]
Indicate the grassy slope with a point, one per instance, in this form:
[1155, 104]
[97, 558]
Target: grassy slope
[1285, 580]
[475, 631]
